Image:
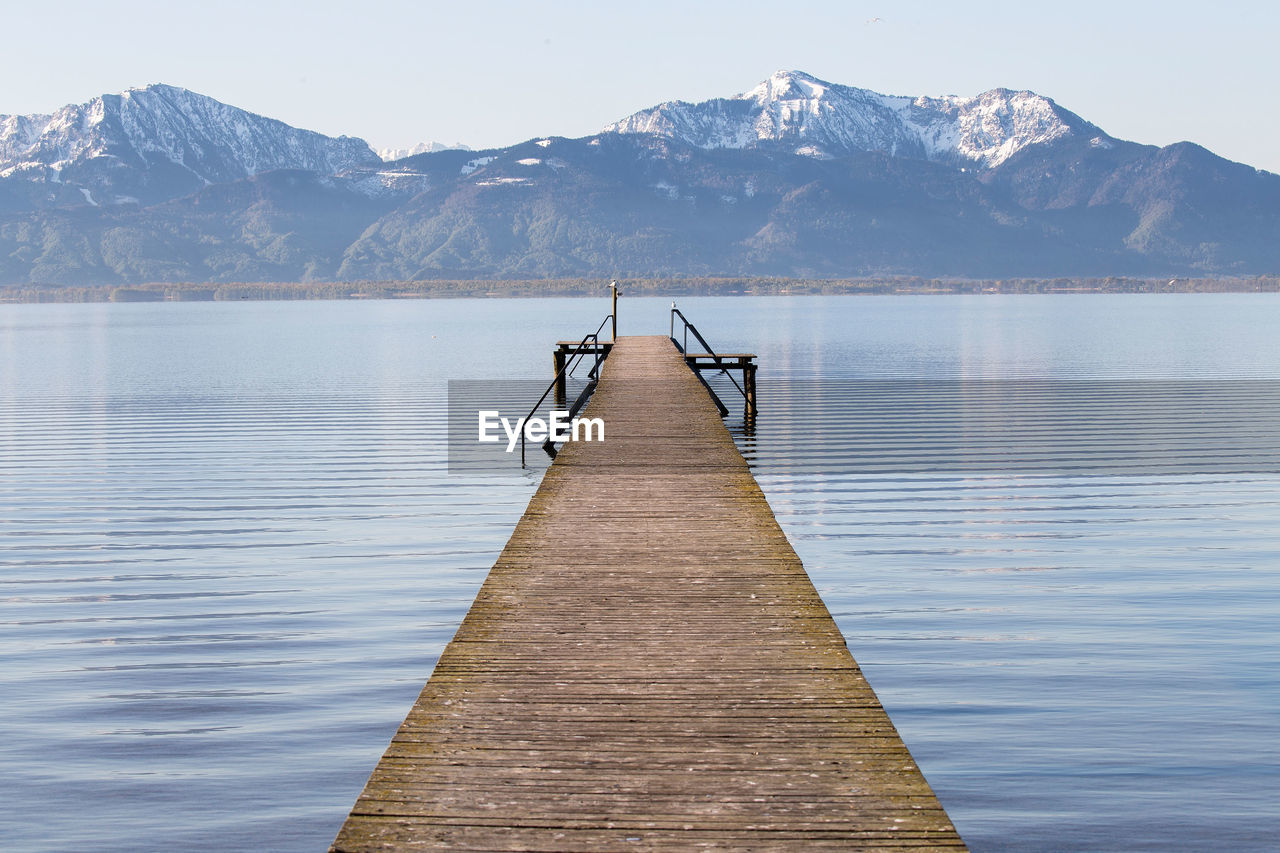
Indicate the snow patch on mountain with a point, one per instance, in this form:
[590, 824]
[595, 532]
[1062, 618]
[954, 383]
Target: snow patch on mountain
[504, 181]
[812, 151]
[667, 190]
[815, 116]
[471, 165]
[382, 183]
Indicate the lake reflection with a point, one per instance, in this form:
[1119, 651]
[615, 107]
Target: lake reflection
[230, 550]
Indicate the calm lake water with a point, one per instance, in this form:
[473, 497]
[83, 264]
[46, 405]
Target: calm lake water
[1049, 526]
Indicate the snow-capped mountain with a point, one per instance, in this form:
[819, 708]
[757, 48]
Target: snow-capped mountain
[159, 142]
[390, 154]
[824, 119]
[796, 177]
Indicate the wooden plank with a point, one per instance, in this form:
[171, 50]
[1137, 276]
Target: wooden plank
[648, 667]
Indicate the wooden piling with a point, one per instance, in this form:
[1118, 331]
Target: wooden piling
[559, 358]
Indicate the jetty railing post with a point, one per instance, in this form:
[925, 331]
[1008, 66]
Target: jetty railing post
[565, 363]
[614, 287]
[744, 363]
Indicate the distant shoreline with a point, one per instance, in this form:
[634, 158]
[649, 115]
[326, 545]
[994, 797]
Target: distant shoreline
[677, 287]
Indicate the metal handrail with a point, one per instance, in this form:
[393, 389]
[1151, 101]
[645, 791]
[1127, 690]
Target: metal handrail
[569, 365]
[688, 326]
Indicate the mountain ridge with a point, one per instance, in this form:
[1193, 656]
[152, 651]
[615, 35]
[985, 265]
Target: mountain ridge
[795, 177]
[984, 130]
[180, 139]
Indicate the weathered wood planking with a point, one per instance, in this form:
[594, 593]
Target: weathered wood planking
[647, 667]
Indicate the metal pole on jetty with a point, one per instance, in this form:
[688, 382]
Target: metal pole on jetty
[613, 285]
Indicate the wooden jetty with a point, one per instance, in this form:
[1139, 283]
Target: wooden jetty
[647, 667]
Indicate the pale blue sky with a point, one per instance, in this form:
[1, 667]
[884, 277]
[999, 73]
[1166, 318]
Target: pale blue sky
[497, 73]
